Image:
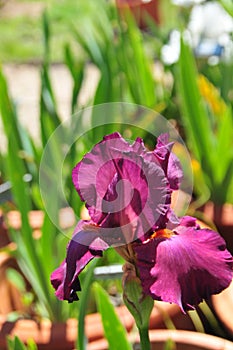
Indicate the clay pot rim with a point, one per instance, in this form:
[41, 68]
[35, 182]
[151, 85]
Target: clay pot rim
[43, 330]
[201, 340]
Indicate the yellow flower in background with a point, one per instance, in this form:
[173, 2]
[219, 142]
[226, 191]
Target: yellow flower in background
[196, 166]
[197, 172]
[211, 95]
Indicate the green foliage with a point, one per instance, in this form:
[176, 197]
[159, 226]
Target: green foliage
[81, 340]
[228, 6]
[209, 136]
[18, 39]
[113, 327]
[20, 31]
[37, 258]
[16, 344]
[117, 49]
[28, 259]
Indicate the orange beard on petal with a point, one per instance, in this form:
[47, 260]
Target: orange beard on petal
[164, 233]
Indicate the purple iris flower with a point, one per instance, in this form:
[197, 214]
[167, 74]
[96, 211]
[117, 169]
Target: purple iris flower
[127, 191]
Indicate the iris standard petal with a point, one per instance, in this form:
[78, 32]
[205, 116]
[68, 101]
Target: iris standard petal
[184, 268]
[95, 172]
[123, 184]
[168, 160]
[84, 246]
[141, 191]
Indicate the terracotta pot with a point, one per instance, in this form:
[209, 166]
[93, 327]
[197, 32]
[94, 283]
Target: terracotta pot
[141, 9]
[47, 336]
[222, 217]
[163, 311]
[160, 312]
[36, 217]
[11, 300]
[222, 305]
[10, 296]
[58, 336]
[184, 340]
[62, 336]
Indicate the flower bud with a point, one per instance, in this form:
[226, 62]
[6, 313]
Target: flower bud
[139, 304]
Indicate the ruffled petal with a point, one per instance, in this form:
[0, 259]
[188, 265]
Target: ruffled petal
[93, 175]
[185, 268]
[123, 185]
[84, 246]
[141, 192]
[168, 160]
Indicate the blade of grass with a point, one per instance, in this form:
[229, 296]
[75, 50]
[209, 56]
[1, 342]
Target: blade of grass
[46, 36]
[77, 73]
[21, 196]
[81, 340]
[113, 327]
[24, 260]
[9, 116]
[195, 117]
[48, 108]
[224, 145]
[15, 344]
[136, 65]
[21, 190]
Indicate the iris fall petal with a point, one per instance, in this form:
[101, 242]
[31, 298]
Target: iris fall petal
[84, 246]
[185, 268]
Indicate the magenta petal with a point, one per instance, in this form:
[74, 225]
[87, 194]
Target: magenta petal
[84, 246]
[186, 268]
[57, 280]
[169, 162]
[93, 175]
[142, 191]
[123, 184]
[187, 221]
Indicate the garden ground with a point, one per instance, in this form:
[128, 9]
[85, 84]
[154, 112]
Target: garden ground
[21, 51]
[24, 85]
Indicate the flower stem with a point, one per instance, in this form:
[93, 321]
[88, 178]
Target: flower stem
[144, 338]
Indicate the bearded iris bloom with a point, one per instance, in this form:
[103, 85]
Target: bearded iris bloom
[127, 191]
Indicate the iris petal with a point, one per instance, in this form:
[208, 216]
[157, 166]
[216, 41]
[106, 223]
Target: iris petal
[124, 184]
[127, 191]
[93, 175]
[168, 160]
[185, 268]
[84, 246]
